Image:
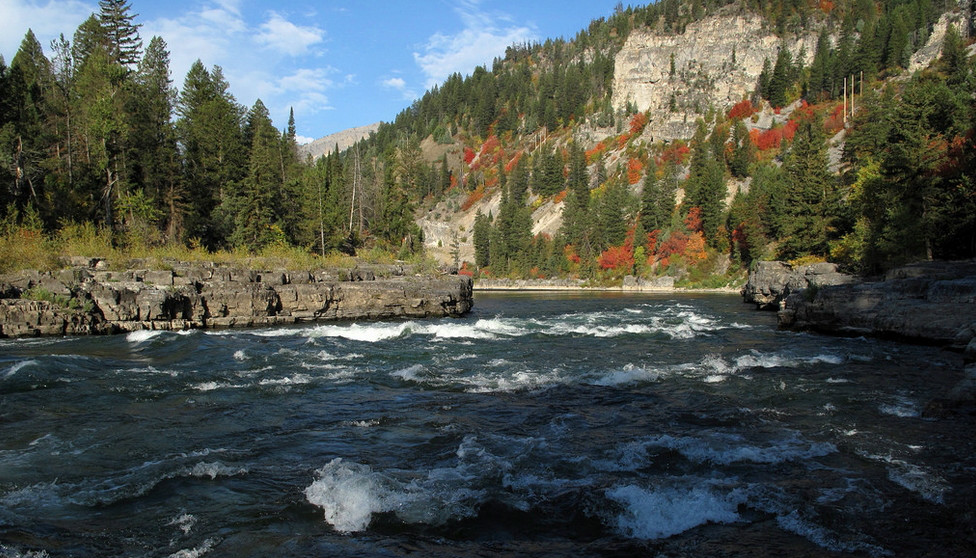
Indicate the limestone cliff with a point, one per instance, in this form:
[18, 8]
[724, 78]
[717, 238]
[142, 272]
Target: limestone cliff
[83, 300]
[716, 61]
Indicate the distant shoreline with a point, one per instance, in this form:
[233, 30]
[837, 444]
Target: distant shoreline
[530, 286]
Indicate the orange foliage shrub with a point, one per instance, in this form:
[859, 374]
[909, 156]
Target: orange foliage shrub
[473, 198]
[592, 154]
[634, 170]
[674, 153]
[622, 140]
[834, 122]
[465, 271]
[693, 221]
[826, 6]
[570, 252]
[637, 123]
[514, 161]
[742, 109]
[617, 257]
[558, 198]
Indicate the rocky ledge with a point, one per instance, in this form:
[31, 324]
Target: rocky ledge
[926, 302]
[89, 299]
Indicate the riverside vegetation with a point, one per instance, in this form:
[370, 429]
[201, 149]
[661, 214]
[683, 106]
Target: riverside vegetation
[538, 142]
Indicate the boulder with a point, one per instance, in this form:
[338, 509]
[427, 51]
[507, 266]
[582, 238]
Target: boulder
[771, 282]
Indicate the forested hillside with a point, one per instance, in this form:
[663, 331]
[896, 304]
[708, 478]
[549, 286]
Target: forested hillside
[839, 154]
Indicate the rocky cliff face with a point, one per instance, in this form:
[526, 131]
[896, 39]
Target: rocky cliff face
[83, 300]
[933, 302]
[770, 283]
[717, 62]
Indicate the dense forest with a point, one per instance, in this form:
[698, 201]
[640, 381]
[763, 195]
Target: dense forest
[97, 138]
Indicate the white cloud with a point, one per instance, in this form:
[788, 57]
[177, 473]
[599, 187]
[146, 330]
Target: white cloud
[303, 140]
[484, 37]
[284, 36]
[395, 83]
[308, 79]
[46, 19]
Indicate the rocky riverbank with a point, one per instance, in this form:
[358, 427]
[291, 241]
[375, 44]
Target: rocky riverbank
[926, 302]
[92, 299]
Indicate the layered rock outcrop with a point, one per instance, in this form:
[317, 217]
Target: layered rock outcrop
[770, 283]
[931, 302]
[715, 62]
[86, 300]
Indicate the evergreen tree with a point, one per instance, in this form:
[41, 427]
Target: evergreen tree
[124, 44]
[811, 195]
[154, 158]
[252, 203]
[214, 156]
[481, 238]
[576, 214]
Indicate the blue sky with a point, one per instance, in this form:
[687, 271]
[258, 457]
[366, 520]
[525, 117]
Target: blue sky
[338, 64]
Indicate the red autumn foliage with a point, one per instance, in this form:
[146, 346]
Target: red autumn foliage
[469, 155]
[634, 170]
[742, 109]
[826, 6]
[570, 252]
[834, 122]
[617, 257]
[622, 140]
[637, 123]
[465, 271]
[651, 241]
[674, 153]
[693, 221]
[597, 150]
[772, 138]
[514, 161]
[558, 198]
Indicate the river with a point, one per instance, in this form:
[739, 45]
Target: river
[556, 424]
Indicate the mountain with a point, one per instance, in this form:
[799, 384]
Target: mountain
[341, 140]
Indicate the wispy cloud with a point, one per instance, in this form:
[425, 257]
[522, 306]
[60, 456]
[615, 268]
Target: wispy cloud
[285, 37]
[399, 84]
[485, 35]
[46, 19]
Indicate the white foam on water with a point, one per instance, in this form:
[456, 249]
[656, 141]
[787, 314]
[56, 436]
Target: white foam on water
[918, 479]
[212, 386]
[197, 552]
[370, 333]
[901, 406]
[825, 538]
[721, 448]
[666, 511]
[295, 380]
[714, 379]
[17, 367]
[349, 494]
[410, 374]
[838, 381]
[8, 552]
[629, 374]
[240, 355]
[184, 522]
[215, 469]
[142, 335]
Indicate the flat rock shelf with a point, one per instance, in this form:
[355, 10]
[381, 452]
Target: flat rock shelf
[88, 299]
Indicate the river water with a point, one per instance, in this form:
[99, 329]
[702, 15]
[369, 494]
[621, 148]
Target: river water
[539, 425]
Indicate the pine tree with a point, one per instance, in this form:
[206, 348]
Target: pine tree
[811, 195]
[252, 204]
[154, 158]
[214, 155]
[124, 44]
[481, 238]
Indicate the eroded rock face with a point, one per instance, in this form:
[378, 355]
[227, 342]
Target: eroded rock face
[932, 302]
[770, 283]
[87, 301]
[717, 61]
